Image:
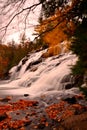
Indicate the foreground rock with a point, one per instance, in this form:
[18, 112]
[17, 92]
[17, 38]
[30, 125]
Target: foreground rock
[25, 114]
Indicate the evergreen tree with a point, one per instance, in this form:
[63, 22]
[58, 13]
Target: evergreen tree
[79, 44]
[50, 6]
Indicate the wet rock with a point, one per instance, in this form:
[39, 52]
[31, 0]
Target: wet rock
[75, 122]
[33, 69]
[28, 67]
[37, 61]
[57, 64]
[71, 100]
[67, 78]
[26, 95]
[6, 99]
[33, 115]
[18, 68]
[41, 126]
[24, 61]
[85, 78]
[3, 116]
[68, 85]
[33, 63]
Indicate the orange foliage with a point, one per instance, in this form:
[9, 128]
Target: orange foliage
[57, 29]
[3, 59]
[57, 49]
[10, 55]
[56, 35]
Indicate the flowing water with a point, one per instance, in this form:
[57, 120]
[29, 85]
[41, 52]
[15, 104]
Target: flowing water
[36, 76]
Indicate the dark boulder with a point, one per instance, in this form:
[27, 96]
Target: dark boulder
[24, 61]
[71, 100]
[68, 85]
[18, 68]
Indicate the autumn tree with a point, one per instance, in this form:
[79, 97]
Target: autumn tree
[57, 27]
[11, 54]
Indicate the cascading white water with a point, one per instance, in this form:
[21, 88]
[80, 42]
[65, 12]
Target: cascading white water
[38, 75]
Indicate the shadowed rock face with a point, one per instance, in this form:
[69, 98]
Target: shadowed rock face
[3, 117]
[18, 68]
[75, 122]
[24, 61]
[66, 78]
[33, 63]
[68, 81]
[69, 85]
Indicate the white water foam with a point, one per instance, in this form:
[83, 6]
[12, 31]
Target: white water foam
[41, 78]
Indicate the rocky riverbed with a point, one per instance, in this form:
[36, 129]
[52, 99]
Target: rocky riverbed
[43, 113]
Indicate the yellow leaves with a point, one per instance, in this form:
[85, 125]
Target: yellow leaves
[59, 34]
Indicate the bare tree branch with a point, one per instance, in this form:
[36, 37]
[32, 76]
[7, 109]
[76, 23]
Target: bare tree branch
[30, 8]
[19, 10]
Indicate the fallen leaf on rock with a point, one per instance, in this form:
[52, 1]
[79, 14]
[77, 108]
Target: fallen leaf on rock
[43, 119]
[35, 127]
[5, 108]
[80, 96]
[6, 99]
[18, 124]
[6, 121]
[46, 124]
[63, 110]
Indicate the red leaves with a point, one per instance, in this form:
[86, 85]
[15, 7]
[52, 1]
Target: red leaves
[63, 110]
[17, 124]
[5, 108]
[22, 104]
[19, 114]
[5, 119]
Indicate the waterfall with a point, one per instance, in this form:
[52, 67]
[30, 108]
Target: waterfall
[36, 75]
